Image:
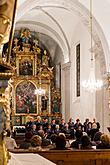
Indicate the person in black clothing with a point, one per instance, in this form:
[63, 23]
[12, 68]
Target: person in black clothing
[49, 132]
[95, 128]
[53, 125]
[45, 124]
[62, 125]
[97, 137]
[85, 142]
[38, 123]
[27, 142]
[67, 131]
[71, 127]
[97, 123]
[89, 129]
[57, 130]
[78, 125]
[60, 142]
[34, 131]
[86, 125]
[71, 124]
[29, 124]
[75, 144]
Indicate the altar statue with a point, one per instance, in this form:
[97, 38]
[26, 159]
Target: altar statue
[45, 58]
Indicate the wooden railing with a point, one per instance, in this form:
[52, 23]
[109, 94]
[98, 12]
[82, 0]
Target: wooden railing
[73, 157]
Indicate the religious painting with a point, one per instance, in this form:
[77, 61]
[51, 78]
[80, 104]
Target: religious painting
[25, 98]
[26, 67]
[44, 103]
[56, 101]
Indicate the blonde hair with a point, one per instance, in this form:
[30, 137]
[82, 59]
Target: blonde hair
[37, 140]
[38, 118]
[105, 139]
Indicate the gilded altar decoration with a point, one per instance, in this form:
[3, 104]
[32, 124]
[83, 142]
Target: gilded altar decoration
[6, 72]
[6, 14]
[33, 79]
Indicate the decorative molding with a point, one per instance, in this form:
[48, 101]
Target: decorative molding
[66, 66]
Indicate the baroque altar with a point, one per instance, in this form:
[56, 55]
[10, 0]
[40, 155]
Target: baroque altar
[34, 72]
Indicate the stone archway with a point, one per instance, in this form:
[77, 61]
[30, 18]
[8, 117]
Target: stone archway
[82, 12]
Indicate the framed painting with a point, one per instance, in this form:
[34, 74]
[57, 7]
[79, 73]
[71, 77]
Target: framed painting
[26, 101]
[26, 67]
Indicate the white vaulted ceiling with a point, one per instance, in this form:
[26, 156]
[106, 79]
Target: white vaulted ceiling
[58, 19]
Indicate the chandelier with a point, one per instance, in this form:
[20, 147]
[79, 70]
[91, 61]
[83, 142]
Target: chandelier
[92, 84]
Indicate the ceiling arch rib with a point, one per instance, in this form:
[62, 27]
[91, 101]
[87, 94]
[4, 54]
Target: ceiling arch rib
[75, 7]
[64, 35]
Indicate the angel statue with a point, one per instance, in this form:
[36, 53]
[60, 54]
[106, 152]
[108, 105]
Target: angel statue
[45, 58]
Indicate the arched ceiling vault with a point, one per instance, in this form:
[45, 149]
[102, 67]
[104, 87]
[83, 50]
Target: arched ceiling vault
[58, 20]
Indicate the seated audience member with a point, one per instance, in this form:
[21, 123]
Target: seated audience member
[97, 137]
[10, 143]
[75, 144]
[85, 142]
[36, 141]
[27, 142]
[105, 142]
[45, 142]
[60, 142]
[53, 138]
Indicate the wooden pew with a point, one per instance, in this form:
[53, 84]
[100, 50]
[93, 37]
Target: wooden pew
[74, 157]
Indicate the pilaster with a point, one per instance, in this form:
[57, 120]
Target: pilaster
[65, 90]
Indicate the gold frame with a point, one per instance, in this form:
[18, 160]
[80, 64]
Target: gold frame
[20, 58]
[35, 81]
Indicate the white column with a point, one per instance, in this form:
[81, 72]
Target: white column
[65, 90]
[105, 113]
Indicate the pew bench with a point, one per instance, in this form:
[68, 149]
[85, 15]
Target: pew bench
[73, 157]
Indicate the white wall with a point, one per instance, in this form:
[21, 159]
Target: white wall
[84, 106]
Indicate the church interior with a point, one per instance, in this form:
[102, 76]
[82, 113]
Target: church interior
[54, 79]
